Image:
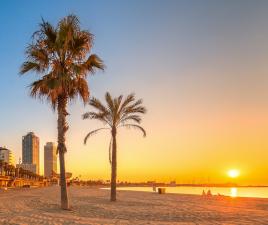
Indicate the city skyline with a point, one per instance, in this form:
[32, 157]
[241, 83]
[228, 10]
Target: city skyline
[15, 159]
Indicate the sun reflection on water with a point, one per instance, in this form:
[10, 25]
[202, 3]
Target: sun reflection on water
[233, 192]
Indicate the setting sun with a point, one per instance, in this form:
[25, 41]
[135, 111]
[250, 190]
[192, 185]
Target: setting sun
[233, 173]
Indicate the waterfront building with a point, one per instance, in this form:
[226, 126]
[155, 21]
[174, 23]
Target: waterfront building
[50, 159]
[30, 152]
[7, 156]
[29, 167]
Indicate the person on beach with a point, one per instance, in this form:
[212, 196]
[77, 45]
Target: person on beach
[209, 194]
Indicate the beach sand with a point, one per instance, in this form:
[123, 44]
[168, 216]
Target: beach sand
[92, 206]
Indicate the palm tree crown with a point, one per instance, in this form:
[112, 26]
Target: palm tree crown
[61, 55]
[118, 113]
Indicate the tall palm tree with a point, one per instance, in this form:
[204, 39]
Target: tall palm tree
[61, 56]
[117, 113]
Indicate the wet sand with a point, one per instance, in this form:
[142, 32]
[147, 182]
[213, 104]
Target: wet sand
[92, 206]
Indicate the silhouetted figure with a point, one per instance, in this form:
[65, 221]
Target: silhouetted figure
[209, 193]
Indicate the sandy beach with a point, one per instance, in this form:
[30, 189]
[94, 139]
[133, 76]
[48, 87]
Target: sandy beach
[92, 206]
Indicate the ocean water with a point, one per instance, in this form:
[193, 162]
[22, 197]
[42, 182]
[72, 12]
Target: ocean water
[257, 192]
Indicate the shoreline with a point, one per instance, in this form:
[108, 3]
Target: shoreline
[91, 205]
[3, 190]
[217, 192]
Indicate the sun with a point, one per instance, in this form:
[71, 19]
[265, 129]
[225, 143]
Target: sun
[233, 173]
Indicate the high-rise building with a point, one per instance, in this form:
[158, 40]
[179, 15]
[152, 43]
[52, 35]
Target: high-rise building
[6, 155]
[50, 159]
[30, 150]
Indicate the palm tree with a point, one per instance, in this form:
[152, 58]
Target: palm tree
[118, 113]
[60, 55]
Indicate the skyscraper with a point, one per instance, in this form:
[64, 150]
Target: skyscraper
[50, 159]
[30, 151]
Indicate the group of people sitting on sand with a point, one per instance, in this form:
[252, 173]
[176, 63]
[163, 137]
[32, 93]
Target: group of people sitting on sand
[209, 194]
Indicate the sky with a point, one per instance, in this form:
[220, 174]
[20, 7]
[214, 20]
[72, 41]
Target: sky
[200, 67]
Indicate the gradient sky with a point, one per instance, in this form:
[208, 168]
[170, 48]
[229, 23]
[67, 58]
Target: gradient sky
[200, 66]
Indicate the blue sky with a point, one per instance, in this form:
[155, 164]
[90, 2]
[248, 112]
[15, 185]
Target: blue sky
[194, 63]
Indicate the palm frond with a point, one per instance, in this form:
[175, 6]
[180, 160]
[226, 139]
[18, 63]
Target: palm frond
[130, 118]
[93, 62]
[117, 102]
[135, 127]
[37, 53]
[131, 111]
[81, 89]
[110, 102]
[44, 88]
[92, 133]
[139, 109]
[130, 98]
[96, 103]
[98, 116]
[136, 107]
[49, 32]
[30, 66]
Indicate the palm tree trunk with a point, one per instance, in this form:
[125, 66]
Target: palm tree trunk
[62, 128]
[114, 166]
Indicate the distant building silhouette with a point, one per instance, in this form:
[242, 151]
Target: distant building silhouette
[50, 159]
[30, 152]
[28, 166]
